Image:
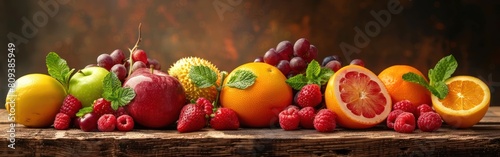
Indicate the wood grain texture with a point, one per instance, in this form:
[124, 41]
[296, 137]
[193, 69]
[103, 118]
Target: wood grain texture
[483, 139]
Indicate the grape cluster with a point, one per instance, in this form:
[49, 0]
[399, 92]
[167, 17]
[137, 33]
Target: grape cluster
[117, 63]
[290, 59]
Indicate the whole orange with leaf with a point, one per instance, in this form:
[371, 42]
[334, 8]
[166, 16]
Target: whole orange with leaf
[257, 105]
[399, 89]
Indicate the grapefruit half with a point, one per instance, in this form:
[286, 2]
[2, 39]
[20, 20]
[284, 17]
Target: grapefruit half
[358, 97]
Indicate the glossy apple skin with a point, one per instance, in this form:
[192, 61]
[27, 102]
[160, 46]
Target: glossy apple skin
[159, 98]
[86, 84]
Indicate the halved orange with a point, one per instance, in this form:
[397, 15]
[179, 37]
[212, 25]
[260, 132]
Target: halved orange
[358, 97]
[466, 103]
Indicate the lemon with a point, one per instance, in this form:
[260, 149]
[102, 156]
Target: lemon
[35, 100]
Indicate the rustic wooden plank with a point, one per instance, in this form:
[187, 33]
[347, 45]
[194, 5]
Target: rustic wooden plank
[482, 139]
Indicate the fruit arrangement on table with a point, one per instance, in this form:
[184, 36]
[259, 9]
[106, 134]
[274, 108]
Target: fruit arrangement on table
[286, 87]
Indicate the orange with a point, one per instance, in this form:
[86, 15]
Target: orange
[466, 104]
[36, 100]
[358, 97]
[400, 89]
[259, 104]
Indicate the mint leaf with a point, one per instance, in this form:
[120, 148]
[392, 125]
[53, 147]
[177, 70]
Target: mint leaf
[314, 75]
[313, 70]
[443, 70]
[441, 90]
[115, 93]
[415, 78]
[241, 79]
[123, 97]
[202, 76]
[297, 81]
[58, 69]
[84, 111]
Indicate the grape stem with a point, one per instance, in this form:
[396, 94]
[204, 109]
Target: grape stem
[130, 60]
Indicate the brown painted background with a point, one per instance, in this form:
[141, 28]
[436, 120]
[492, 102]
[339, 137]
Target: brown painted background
[419, 35]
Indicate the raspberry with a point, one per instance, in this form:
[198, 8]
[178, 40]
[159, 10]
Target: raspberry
[404, 105]
[124, 123]
[207, 105]
[106, 123]
[309, 95]
[289, 118]
[429, 121]
[325, 121]
[422, 109]
[102, 106]
[405, 123]
[306, 115]
[62, 121]
[392, 118]
[225, 119]
[70, 106]
[120, 111]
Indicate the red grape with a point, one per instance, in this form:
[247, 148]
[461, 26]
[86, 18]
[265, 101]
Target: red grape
[358, 62]
[117, 56]
[285, 50]
[284, 67]
[311, 54]
[271, 57]
[301, 47]
[105, 61]
[330, 58]
[153, 62]
[120, 71]
[298, 64]
[140, 55]
[137, 65]
[334, 65]
[259, 59]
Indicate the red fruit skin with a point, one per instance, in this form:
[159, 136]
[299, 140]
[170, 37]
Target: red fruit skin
[422, 109]
[225, 119]
[207, 105]
[159, 98]
[76, 122]
[404, 105]
[62, 121]
[429, 122]
[309, 96]
[106, 123]
[125, 123]
[71, 105]
[192, 118]
[325, 121]
[140, 55]
[289, 118]
[392, 117]
[307, 115]
[102, 106]
[405, 123]
[120, 111]
[89, 122]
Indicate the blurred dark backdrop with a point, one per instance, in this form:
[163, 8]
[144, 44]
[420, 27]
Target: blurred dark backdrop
[232, 32]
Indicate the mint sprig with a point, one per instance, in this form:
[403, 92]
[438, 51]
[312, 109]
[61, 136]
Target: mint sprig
[315, 74]
[241, 79]
[113, 92]
[437, 76]
[58, 68]
[202, 76]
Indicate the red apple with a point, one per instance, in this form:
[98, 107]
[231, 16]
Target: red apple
[159, 98]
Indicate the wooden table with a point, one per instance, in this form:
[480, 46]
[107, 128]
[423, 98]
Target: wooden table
[481, 140]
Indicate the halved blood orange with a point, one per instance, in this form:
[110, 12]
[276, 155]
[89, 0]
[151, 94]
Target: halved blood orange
[358, 97]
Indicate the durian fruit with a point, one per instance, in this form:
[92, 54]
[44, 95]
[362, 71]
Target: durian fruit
[180, 70]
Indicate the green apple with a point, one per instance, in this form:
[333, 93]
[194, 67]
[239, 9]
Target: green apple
[86, 84]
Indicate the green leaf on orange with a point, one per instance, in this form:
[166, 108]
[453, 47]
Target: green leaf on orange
[241, 79]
